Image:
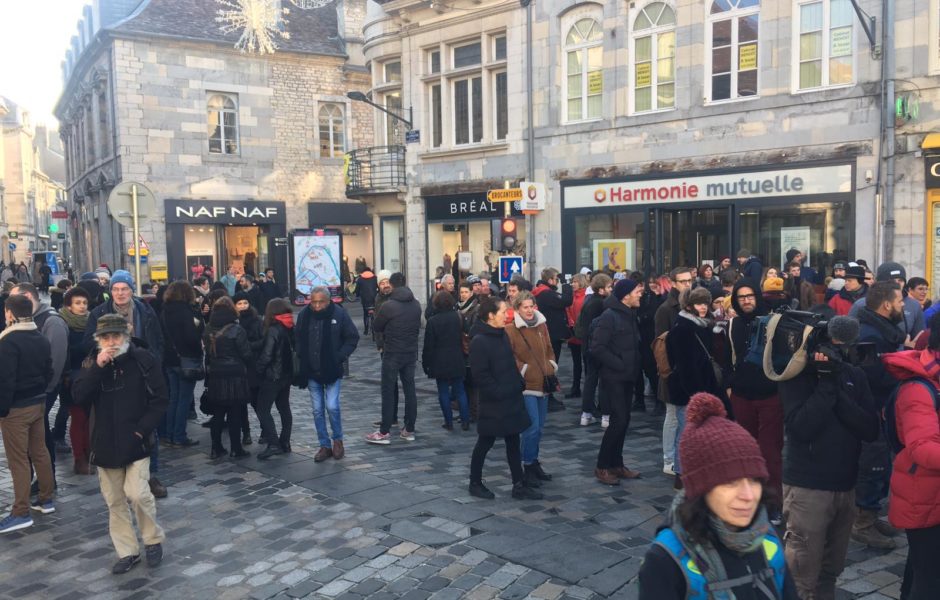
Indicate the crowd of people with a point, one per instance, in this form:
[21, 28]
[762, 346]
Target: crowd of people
[749, 450]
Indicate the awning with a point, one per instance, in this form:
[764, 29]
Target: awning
[931, 142]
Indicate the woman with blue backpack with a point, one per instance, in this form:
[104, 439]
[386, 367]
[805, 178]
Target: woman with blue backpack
[717, 541]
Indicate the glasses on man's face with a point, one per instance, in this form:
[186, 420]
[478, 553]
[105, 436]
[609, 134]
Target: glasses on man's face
[684, 281]
[747, 296]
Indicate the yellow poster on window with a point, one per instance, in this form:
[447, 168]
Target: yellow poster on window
[747, 57]
[595, 82]
[644, 74]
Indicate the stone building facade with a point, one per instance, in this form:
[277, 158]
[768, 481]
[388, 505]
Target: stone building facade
[630, 100]
[158, 95]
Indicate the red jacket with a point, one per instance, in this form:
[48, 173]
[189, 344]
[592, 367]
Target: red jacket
[841, 305]
[573, 311]
[915, 480]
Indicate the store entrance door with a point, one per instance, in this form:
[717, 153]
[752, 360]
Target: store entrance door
[693, 236]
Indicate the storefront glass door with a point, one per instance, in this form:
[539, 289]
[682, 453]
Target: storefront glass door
[693, 236]
[821, 231]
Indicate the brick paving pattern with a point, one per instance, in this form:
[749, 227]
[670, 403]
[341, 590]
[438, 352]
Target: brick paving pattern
[385, 522]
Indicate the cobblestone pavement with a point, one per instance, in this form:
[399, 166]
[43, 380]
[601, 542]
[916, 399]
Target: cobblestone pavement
[385, 522]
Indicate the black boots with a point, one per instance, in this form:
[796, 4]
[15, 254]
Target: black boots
[478, 490]
[271, 450]
[539, 472]
[531, 478]
[520, 491]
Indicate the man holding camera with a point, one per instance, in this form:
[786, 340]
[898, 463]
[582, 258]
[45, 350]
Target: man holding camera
[828, 412]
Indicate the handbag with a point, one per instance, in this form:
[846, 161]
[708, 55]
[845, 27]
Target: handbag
[205, 406]
[192, 369]
[719, 374]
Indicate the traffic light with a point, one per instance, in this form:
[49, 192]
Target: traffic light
[507, 234]
[53, 228]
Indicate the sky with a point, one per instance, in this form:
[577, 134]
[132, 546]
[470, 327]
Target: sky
[33, 37]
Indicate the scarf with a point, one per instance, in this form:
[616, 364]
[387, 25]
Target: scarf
[465, 307]
[695, 318]
[127, 312]
[530, 322]
[24, 324]
[75, 322]
[706, 556]
[286, 319]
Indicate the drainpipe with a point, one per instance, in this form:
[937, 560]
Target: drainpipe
[889, 120]
[530, 137]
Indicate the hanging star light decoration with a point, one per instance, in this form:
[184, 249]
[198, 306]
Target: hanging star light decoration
[260, 21]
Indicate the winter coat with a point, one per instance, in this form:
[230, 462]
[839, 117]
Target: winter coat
[747, 379]
[183, 327]
[442, 356]
[552, 304]
[712, 284]
[914, 320]
[399, 321]
[25, 367]
[493, 367]
[572, 313]
[228, 361]
[842, 302]
[915, 480]
[77, 349]
[667, 312]
[532, 348]
[646, 314]
[887, 338]
[275, 360]
[344, 337]
[801, 290]
[593, 307]
[826, 419]
[256, 298]
[752, 269]
[270, 291]
[367, 287]
[147, 326]
[615, 343]
[53, 327]
[689, 345]
[129, 397]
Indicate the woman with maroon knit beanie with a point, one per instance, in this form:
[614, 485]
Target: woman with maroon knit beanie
[717, 541]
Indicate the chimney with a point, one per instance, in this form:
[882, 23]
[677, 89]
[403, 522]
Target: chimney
[350, 15]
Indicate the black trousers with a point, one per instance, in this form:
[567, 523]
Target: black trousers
[619, 397]
[576, 366]
[590, 389]
[513, 456]
[921, 576]
[217, 423]
[395, 366]
[275, 393]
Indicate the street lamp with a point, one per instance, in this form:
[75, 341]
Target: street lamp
[360, 97]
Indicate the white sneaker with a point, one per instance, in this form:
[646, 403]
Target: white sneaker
[605, 421]
[667, 469]
[586, 419]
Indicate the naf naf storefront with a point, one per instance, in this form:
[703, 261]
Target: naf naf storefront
[654, 223]
[240, 235]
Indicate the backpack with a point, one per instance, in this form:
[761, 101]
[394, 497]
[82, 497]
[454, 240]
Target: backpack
[663, 368]
[582, 329]
[889, 420]
[590, 332]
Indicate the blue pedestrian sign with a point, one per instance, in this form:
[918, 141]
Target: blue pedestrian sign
[509, 266]
[12, 246]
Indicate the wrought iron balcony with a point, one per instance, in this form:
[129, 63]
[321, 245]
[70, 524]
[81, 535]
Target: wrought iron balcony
[375, 170]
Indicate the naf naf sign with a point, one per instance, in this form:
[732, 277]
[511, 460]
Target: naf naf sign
[464, 207]
[242, 212]
[932, 171]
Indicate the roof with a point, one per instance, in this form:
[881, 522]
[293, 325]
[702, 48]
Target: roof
[313, 31]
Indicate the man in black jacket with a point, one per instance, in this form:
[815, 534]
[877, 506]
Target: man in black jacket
[829, 412]
[615, 344]
[552, 305]
[367, 287]
[255, 295]
[399, 321]
[125, 386]
[25, 369]
[754, 398]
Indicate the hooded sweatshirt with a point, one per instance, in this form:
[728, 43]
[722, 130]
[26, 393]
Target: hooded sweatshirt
[747, 379]
[399, 320]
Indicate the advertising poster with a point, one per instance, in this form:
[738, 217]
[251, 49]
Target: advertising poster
[795, 237]
[616, 255]
[316, 259]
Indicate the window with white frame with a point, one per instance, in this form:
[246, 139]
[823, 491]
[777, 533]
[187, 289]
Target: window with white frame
[222, 125]
[732, 31]
[468, 110]
[332, 131]
[654, 58]
[826, 43]
[392, 71]
[501, 104]
[394, 128]
[499, 47]
[584, 70]
[435, 100]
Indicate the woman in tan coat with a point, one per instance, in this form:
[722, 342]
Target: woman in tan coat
[532, 347]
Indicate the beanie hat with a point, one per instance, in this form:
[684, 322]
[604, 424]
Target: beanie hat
[89, 276]
[239, 296]
[713, 450]
[473, 279]
[843, 329]
[772, 284]
[855, 272]
[695, 296]
[791, 253]
[890, 271]
[111, 323]
[838, 265]
[384, 275]
[122, 276]
[623, 287]
[743, 253]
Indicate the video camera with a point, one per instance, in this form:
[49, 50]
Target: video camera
[790, 333]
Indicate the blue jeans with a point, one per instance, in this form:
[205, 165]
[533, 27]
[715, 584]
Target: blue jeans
[537, 407]
[680, 427]
[181, 397]
[326, 397]
[447, 388]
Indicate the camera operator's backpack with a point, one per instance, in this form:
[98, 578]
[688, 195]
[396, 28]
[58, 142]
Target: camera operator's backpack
[889, 420]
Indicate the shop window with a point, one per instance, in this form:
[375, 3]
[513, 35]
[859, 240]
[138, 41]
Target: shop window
[614, 241]
[654, 53]
[222, 112]
[468, 110]
[584, 70]
[501, 104]
[732, 29]
[332, 131]
[826, 43]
